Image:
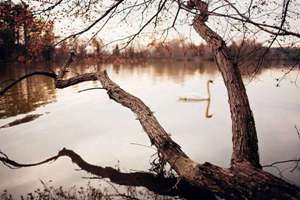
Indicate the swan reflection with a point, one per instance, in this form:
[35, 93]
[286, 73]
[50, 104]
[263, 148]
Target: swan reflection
[195, 98]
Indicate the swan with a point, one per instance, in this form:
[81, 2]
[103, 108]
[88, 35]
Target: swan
[197, 98]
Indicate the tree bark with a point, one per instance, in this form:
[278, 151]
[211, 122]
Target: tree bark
[244, 136]
[241, 181]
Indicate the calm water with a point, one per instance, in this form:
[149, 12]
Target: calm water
[103, 132]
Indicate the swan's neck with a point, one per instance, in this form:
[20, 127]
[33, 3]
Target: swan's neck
[208, 90]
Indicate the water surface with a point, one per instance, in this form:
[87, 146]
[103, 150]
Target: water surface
[103, 132]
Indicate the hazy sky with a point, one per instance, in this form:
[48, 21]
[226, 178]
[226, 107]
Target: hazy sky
[117, 29]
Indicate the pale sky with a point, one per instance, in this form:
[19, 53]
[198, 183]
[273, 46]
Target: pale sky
[116, 30]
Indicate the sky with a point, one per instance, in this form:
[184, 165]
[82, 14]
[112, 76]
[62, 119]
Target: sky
[68, 21]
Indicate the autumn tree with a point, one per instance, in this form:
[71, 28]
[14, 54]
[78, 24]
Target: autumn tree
[21, 33]
[42, 37]
[13, 20]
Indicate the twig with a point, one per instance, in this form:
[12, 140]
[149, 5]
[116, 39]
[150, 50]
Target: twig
[94, 88]
[143, 145]
[297, 132]
[93, 24]
[280, 162]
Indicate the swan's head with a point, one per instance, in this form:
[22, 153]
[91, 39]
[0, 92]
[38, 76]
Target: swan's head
[210, 81]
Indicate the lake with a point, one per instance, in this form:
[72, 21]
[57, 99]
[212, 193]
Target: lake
[107, 134]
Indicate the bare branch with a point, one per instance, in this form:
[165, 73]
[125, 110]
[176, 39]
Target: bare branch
[50, 7]
[296, 161]
[147, 23]
[264, 27]
[93, 24]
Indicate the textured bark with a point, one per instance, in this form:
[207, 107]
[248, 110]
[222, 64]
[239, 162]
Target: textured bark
[62, 83]
[170, 150]
[244, 136]
[244, 180]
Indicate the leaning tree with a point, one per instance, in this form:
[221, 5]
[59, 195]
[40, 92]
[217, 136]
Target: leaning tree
[245, 179]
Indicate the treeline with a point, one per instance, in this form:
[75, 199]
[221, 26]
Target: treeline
[178, 49]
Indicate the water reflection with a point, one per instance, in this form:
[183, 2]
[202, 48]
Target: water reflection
[28, 94]
[196, 98]
[176, 71]
[27, 118]
[36, 91]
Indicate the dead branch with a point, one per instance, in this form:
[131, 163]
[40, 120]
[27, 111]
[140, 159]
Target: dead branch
[280, 162]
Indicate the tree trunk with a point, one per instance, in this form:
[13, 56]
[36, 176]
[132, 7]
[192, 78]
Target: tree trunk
[244, 137]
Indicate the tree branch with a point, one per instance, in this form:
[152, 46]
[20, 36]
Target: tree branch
[93, 24]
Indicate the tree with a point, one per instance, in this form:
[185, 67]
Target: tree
[97, 44]
[42, 37]
[245, 179]
[116, 51]
[6, 43]
[22, 33]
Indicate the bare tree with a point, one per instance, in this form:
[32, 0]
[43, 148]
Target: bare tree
[245, 179]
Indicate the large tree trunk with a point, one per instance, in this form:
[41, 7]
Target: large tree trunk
[244, 137]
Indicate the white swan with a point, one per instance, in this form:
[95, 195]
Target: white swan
[197, 98]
